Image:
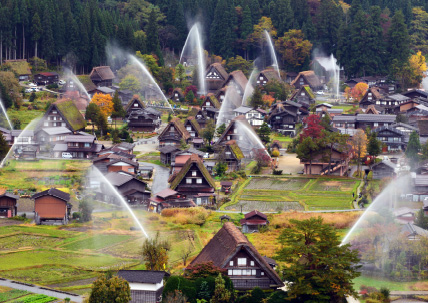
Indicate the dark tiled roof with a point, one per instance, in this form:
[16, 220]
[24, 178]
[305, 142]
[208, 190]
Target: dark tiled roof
[142, 276]
[423, 127]
[129, 162]
[255, 212]
[118, 179]
[398, 97]
[376, 118]
[225, 244]
[9, 195]
[56, 130]
[81, 139]
[53, 192]
[166, 193]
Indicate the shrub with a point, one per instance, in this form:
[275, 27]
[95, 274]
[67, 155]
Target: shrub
[277, 172]
[192, 215]
[76, 215]
[275, 153]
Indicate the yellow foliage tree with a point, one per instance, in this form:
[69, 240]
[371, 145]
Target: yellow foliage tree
[359, 90]
[104, 102]
[415, 71]
[258, 35]
[359, 144]
[293, 48]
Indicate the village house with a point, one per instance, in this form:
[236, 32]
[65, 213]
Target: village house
[79, 146]
[215, 76]
[362, 121]
[307, 78]
[402, 108]
[226, 186]
[394, 139]
[415, 94]
[267, 75]
[146, 285]
[404, 215]
[174, 134]
[63, 113]
[194, 181]
[145, 119]
[8, 205]
[21, 138]
[102, 76]
[319, 165]
[253, 221]
[232, 155]
[104, 90]
[414, 232]
[390, 102]
[125, 96]
[230, 249]
[20, 67]
[193, 127]
[114, 163]
[303, 95]
[179, 158]
[177, 95]
[200, 116]
[166, 153]
[234, 131]
[254, 116]
[52, 134]
[384, 169]
[283, 117]
[290, 76]
[169, 198]
[371, 96]
[46, 78]
[51, 206]
[133, 190]
[238, 80]
[419, 112]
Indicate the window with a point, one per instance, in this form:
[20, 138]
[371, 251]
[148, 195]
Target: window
[375, 124]
[199, 181]
[208, 104]
[130, 170]
[188, 128]
[193, 173]
[228, 138]
[252, 263]
[242, 261]
[87, 145]
[198, 201]
[253, 272]
[188, 181]
[136, 104]
[261, 78]
[228, 153]
[241, 138]
[246, 272]
[235, 131]
[54, 112]
[46, 124]
[229, 272]
[176, 94]
[262, 273]
[231, 263]
[237, 272]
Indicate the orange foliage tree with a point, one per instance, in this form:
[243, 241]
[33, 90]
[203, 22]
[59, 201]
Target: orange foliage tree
[268, 99]
[293, 48]
[359, 90]
[104, 102]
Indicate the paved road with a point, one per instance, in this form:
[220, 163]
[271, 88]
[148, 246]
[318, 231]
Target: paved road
[37, 290]
[160, 179]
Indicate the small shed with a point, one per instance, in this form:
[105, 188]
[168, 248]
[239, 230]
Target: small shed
[51, 206]
[8, 205]
[146, 171]
[253, 221]
[384, 169]
[226, 186]
[146, 285]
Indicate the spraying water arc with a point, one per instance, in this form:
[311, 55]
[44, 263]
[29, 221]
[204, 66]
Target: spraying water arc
[249, 89]
[194, 41]
[5, 113]
[71, 76]
[121, 199]
[272, 53]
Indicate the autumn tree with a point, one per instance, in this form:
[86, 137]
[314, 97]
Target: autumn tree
[108, 288]
[359, 90]
[155, 253]
[180, 74]
[294, 49]
[319, 268]
[104, 102]
[238, 63]
[359, 144]
[130, 82]
[414, 71]
[312, 128]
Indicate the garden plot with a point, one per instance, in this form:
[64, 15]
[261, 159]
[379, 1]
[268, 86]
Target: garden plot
[48, 274]
[277, 184]
[96, 242]
[277, 206]
[333, 185]
[27, 241]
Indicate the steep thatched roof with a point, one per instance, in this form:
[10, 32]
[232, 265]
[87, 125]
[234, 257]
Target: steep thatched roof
[213, 100]
[195, 125]
[104, 72]
[135, 98]
[310, 78]
[87, 82]
[179, 126]
[235, 149]
[194, 158]
[220, 70]
[71, 114]
[239, 78]
[270, 74]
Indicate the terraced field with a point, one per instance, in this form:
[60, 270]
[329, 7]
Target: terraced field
[282, 194]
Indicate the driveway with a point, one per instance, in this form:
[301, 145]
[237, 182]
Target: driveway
[289, 164]
[160, 179]
[43, 291]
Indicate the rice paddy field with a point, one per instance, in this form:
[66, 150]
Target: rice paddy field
[282, 194]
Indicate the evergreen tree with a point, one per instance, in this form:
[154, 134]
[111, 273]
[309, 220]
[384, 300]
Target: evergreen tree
[398, 43]
[264, 133]
[247, 23]
[254, 6]
[374, 146]
[4, 147]
[222, 29]
[413, 147]
[328, 23]
[257, 98]
[118, 111]
[282, 16]
[110, 288]
[48, 49]
[5, 97]
[153, 45]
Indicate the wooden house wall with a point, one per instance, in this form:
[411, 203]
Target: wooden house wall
[49, 207]
[125, 168]
[194, 188]
[132, 184]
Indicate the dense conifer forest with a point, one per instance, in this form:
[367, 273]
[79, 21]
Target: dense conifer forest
[369, 37]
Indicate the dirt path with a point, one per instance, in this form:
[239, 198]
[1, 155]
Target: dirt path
[289, 164]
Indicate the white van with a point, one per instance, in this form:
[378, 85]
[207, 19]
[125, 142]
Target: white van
[67, 156]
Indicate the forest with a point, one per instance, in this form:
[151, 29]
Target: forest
[369, 37]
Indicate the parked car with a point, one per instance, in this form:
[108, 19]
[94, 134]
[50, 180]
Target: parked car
[35, 89]
[61, 82]
[206, 156]
[28, 90]
[67, 155]
[320, 92]
[31, 84]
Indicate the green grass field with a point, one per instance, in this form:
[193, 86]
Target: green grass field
[301, 193]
